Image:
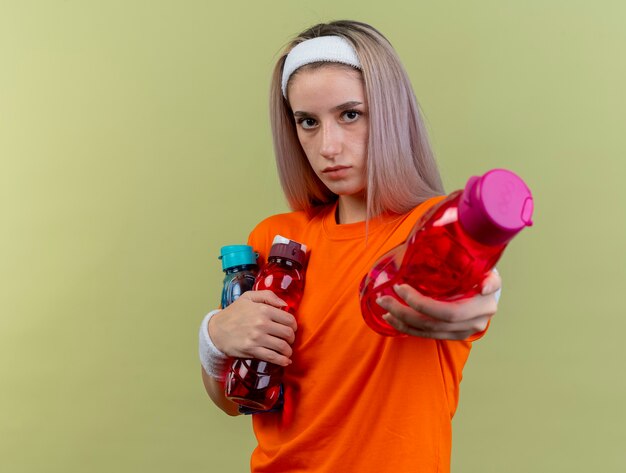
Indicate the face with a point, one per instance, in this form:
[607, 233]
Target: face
[331, 115]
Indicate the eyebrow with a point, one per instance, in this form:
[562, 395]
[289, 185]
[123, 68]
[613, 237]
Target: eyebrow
[338, 108]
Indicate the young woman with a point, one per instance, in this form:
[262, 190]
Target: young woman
[357, 169]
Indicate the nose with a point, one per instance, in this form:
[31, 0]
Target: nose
[331, 140]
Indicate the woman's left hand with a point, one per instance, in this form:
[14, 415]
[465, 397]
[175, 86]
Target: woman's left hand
[430, 318]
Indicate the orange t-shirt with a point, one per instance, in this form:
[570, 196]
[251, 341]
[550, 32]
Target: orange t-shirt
[355, 400]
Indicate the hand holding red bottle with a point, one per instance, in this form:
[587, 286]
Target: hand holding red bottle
[251, 382]
[448, 256]
[255, 326]
[445, 320]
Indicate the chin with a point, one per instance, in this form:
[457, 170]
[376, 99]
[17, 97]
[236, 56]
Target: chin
[348, 192]
[345, 188]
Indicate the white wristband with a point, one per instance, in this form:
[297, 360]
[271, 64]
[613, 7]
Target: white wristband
[213, 360]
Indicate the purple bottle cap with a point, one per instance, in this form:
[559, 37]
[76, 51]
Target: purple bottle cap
[495, 207]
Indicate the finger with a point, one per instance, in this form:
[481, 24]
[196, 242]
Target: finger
[265, 341]
[266, 297]
[278, 345]
[268, 305]
[266, 322]
[492, 283]
[447, 311]
[277, 323]
[265, 354]
[410, 318]
[436, 334]
[284, 332]
[282, 317]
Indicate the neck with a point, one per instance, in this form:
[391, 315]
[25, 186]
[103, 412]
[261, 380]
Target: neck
[351, 209]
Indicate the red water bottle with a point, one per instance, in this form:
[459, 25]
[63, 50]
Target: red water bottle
[453, 246]
[253, 383]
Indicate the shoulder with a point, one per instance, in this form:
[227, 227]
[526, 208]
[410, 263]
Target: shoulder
[424, 208]
[403, 224]
[289, 225]
[284, 219]
[429, 203]
[290, 221]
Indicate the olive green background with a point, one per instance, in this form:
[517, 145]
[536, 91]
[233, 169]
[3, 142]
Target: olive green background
[134, 142]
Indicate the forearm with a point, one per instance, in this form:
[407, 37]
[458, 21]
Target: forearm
[215, 390]
[214, 364]
[252, 327]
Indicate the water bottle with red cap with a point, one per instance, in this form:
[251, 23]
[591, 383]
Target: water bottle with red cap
[256, 384]
[453, 246]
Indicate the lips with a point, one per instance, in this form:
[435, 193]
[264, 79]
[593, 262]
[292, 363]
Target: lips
[336, 173]
[334, 169]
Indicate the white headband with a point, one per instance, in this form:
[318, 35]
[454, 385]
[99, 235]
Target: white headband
[320, 49]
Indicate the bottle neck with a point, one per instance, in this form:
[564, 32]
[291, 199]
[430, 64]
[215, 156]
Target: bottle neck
[285, 262]
[242, 267]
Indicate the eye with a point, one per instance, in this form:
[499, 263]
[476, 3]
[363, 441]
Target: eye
[350, 115]
[307, 123]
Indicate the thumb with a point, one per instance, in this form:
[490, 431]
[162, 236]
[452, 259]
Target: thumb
[492, 283]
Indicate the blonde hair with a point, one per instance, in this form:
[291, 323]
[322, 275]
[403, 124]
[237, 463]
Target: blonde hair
[401, 169]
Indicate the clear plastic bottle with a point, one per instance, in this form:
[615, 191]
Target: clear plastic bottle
[240, 268]
[254, 383]
[453, 246]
